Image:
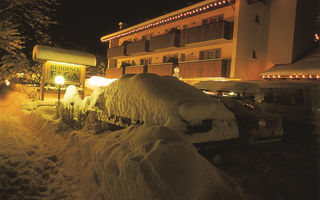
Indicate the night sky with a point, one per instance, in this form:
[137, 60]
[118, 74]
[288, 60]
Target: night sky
[82, 23]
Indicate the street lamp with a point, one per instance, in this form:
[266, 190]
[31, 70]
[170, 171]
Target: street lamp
[60, 81]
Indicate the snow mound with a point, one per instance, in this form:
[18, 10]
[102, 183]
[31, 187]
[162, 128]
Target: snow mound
[144, 162]
[165, 101]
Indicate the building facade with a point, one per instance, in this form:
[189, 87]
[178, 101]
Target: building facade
[214, 39]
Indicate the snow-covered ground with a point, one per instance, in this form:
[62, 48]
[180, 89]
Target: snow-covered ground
[44, 159]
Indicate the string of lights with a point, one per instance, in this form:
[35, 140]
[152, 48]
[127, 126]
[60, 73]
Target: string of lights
[195, 11]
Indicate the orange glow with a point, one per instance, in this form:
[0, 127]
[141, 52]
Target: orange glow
[290, 76]
[316, 37]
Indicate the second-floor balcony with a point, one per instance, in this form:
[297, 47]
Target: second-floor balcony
[164, 42]
[205, 68]
[207, 33]
[137, 47]
[116, 52]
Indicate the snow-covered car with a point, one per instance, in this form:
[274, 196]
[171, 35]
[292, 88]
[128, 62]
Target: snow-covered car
[169, 102]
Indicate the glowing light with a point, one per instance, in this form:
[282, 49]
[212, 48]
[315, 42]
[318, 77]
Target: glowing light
[316, 37]
[279, 76]
[200, 9]
[7, 82]
[290, 76]
[96, 81]
[263, 76]
[318, 76]
[59, 80]
[310, 76]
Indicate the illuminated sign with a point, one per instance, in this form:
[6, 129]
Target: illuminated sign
[73, 74]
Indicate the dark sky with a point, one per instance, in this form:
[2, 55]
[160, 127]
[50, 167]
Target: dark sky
[83, 22]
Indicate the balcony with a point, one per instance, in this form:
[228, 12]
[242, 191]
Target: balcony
[135, 69]
[114, 72]
[137, 47]
[116, 52]
[165, 69]
[205, 68]
[164, 42]
[208, 32]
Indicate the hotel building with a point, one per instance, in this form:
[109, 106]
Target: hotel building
[214, 39]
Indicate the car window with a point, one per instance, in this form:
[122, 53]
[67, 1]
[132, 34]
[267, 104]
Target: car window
[281, 96]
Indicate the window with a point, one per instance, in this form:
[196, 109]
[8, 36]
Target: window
[210, 54]
[254, 55]
[164, 59]
[133, 63]
[170, 58]
[145, 61]
[182, 57]
[257, 19]
[213, 19]
[141, 61]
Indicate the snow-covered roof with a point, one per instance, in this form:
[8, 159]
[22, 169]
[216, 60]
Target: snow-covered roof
[309, 65]
[234, 86]
[63, 55]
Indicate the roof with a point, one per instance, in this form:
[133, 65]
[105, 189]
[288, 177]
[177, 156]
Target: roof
[309, 65]
[195, 9]
[234, 86]
[63, 55]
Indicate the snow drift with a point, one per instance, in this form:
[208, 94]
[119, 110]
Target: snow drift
[138, 162]
[144, 162]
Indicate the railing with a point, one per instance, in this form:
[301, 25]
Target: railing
[114, 72]
[135, 69]
[218, 30]
[164, 41]
[137, 47]
[116, 51]
[165, 69]
[205, 68]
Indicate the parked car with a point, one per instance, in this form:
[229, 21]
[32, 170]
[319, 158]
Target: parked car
[255, 125]
[298, 103]
[166, 101]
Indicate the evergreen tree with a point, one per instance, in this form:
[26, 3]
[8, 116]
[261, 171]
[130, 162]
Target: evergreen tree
[23, 24]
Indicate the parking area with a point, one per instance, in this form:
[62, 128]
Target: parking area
[277, 171]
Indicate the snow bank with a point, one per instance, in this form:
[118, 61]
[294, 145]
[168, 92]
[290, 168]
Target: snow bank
[144, 162]
[139, 162]
[168, 102]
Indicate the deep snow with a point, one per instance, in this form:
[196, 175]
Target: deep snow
[139, 162]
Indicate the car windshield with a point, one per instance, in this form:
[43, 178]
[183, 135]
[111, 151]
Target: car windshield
[239, 105]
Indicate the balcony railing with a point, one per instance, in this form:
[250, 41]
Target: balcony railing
[165, 69]
[114, 72]
[205, 68]
[135, 69]
[137, 47]
[164, 41]
[116, 51]
[218, 30]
